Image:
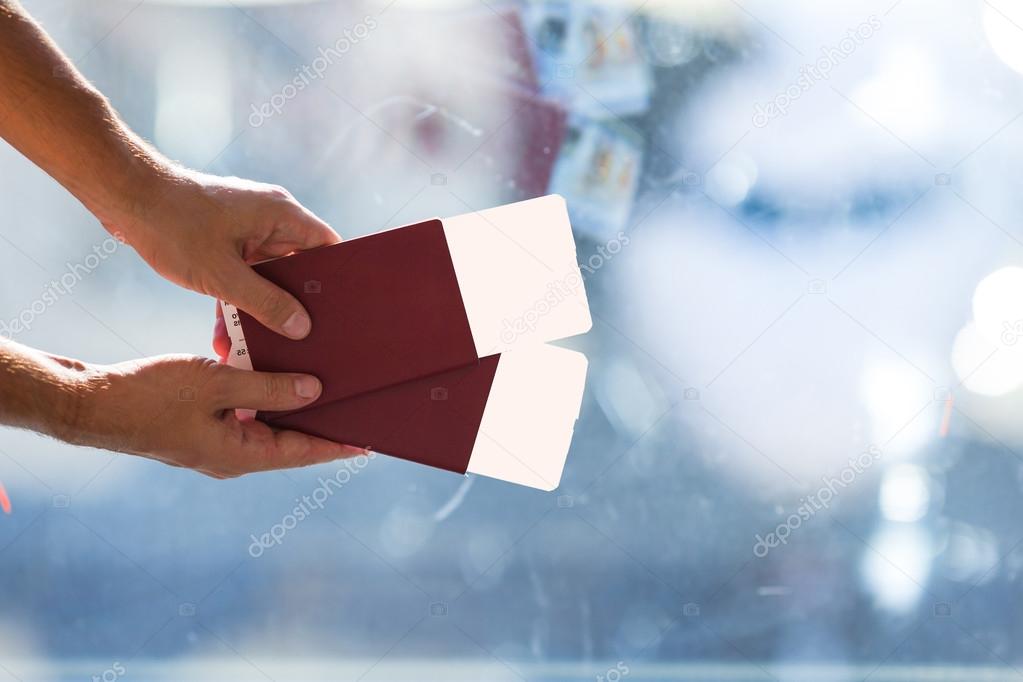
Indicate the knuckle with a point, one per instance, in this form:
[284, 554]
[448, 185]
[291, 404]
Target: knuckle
[275, 389]
[221, 387]
[279, 192]
[206, 370]
[273, 304]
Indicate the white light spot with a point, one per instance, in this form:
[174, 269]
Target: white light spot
[982, 367]
[905, 493]
[730, 180]
[1002, 22]
[893, 395]
[903, 95]
[896, 566]
[998, 307]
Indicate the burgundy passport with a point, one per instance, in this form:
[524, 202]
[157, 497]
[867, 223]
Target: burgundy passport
[433, 420]
[385, 308]
[429, 340]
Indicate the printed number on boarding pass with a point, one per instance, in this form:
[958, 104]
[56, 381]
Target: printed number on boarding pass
[239, 355]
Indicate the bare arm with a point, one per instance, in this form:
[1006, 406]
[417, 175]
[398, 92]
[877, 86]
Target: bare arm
[37, 391]
[176, 409]
[53, 116]
[197, 230]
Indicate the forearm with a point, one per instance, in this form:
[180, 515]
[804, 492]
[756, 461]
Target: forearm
[53, 116]
[40, 392]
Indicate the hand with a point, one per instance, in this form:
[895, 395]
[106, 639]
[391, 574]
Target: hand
[203, 232]
[180, 410]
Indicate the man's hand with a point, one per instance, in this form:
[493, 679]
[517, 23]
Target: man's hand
[203, 232]
[179, 410]
[197, 230]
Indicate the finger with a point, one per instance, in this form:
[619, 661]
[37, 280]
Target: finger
[299, 230]
[309, 231]
[221, 339]
[239, 388]
[273, 307]
[294, 449]
[264, 449]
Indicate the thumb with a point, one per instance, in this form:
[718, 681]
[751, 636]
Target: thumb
[275, 308]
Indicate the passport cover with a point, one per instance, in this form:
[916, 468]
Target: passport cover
[433, 420]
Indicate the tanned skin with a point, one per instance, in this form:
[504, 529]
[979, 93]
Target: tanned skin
[199, 231]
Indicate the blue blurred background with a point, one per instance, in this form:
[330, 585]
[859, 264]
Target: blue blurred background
[799, 451]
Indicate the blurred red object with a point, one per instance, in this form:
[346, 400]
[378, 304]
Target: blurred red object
[5, 501]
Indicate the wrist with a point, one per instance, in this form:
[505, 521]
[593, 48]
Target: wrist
[43, 392]
[144, 180]
[76, 387]
[134, 175]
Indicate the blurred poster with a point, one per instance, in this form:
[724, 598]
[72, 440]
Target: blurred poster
[597, 172]
[588, 57]
[530, 144]
[511, 151]
[492, 42]
[457, 98]
[486, 118]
